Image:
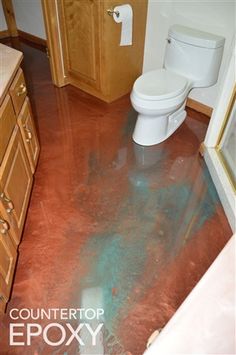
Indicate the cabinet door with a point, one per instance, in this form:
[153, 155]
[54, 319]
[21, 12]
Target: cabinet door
[80, 30]
[3, 303]
[16, 183]
[8, 257]
[29, 135]
[7, 124]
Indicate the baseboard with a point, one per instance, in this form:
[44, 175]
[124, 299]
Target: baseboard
[4, 34]
[198, 106]
[32, 39]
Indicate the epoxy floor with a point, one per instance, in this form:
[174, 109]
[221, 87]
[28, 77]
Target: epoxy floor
[111, 224]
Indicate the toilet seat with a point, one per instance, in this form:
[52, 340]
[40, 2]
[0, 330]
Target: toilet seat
[159, 84]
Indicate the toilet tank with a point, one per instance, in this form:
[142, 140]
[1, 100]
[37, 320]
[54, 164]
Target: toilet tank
[194, 54]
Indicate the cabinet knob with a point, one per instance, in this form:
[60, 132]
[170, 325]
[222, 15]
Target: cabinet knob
[10, 205]
[47, 53]
[4, 226]
[29, 133]
[22, 90]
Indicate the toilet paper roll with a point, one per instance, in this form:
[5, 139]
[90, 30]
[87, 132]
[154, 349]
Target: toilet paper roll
[126, 19]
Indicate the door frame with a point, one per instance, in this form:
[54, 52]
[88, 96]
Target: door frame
[212, 156]
[52, 28]
[54, 42]
[9, 14]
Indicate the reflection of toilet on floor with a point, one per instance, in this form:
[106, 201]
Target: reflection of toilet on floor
[147, 157]
[92, 299]
[192, 60]
[121, 158]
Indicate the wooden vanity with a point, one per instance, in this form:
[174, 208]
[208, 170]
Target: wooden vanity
[19, 151]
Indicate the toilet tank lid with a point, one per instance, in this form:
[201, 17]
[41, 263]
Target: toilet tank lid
[196, 37]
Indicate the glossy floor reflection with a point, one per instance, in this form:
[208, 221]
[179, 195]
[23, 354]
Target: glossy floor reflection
[112, 224]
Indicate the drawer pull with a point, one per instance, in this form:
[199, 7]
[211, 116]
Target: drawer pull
[10, 205]
[22, 90]
[29, 134]
[4, 226]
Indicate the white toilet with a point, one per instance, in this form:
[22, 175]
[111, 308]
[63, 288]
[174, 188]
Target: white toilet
[192, 60]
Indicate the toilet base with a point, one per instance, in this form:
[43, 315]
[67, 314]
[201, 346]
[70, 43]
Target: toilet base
[151, 130]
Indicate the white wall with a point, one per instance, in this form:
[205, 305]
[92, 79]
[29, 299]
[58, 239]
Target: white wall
[3, 25]
[212, 16]
[29, 17]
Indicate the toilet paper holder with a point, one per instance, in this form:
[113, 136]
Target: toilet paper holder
[111, 12]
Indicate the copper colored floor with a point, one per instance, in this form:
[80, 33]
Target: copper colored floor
[137, 225]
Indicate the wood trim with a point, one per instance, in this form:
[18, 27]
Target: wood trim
[226, 118]
[202, 149]
[50, 13]
[31, 38]
[4, 34]
[198, 106]
[10, 17]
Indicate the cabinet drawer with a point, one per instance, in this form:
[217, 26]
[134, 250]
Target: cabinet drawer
[29, 135]
[18, 91]
[7, 124]
[15, 183]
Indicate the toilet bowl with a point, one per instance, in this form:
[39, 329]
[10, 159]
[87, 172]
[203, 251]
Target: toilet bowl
[159, 98]
[192, 60]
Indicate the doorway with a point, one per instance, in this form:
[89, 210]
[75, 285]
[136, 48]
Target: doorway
[26, 20]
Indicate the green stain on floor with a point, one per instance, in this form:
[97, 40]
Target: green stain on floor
[207, 205]
[116, 258]
[113, 268]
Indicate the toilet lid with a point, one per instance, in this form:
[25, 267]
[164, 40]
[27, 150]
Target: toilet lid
[159, 85]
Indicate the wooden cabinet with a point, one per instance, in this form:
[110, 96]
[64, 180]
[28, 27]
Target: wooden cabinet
[3, 303]
[7, 124]
[91, 56]
[28, 133]
[19, 151]
[8, 256]
[16, 182]
[80, 23]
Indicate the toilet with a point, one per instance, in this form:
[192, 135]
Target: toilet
[192, 60]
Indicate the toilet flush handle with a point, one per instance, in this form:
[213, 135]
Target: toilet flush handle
[168, 40]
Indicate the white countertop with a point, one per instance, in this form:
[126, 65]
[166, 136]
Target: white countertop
[10, 60]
